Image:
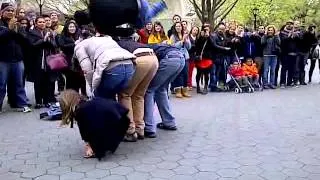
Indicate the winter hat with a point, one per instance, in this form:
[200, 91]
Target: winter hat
[107, 14]
[6, 6]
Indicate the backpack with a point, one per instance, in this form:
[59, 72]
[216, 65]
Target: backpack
[316, 53]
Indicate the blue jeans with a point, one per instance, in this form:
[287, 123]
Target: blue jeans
[168, 70]
[213, 78]
[114, 81]
[182, 78]
[16, 71]
[270, 63]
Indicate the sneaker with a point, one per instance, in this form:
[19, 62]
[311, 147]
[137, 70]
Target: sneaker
[26, 109]
[303, 84]
[282, 86]
[131, 137]
[265, 87]
[38, 106]
[273, 87]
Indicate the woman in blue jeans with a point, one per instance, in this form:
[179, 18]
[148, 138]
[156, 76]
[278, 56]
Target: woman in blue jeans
[271, 49]
[171, 63]
[107, 67]
[181, 41]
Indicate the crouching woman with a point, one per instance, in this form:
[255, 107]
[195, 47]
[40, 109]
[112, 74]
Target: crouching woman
[107, 67]
[102, 123]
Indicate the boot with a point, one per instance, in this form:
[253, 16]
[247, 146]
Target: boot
[185, 92]
[199, 90]
[205, 90]
[178, 92]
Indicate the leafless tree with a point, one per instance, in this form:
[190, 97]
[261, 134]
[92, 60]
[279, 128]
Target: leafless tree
[213, 11]
[40, 4]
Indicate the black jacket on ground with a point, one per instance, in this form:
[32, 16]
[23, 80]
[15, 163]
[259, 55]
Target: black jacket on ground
[11, 44]
[102, 123]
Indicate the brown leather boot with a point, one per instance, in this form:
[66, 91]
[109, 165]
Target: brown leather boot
[178, 92]
[185, 92]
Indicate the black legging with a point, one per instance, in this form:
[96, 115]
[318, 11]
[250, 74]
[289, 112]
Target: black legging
[203, 72]
[312, 66]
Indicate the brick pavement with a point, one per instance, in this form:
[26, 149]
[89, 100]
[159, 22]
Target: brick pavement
[272, 135]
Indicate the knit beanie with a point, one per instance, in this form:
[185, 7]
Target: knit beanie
[5, 6]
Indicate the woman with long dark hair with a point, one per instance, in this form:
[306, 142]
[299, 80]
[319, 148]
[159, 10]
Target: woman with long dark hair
[193, 36]
[43, 44]
[70, 34]
[181, 40]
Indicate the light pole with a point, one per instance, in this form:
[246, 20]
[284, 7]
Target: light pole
[255, 12]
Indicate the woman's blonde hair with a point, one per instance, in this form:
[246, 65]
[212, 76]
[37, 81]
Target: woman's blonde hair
[273, 27]
[69, 99]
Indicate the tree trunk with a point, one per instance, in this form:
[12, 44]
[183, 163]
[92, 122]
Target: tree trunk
[40, 9]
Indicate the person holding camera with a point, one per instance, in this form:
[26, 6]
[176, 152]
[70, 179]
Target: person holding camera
[203, 59]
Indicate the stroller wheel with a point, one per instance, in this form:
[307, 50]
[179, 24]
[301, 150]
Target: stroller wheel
[253, 90]
[237, 90]
[249, 90]
[241, 91]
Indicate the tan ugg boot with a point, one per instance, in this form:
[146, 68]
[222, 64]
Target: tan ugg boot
[185, 92]
[178, 92]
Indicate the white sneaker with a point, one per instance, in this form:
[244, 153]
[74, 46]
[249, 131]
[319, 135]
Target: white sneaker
[26, 109]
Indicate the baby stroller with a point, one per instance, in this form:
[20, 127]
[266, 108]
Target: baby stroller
[239, 86]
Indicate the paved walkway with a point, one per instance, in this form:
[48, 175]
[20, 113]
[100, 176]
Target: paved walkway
[272, 135]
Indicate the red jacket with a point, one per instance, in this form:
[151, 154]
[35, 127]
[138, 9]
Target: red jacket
[144, 36]
[236, 71]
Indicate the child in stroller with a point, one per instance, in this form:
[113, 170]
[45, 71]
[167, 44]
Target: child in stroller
[239, 82]
[251, 71]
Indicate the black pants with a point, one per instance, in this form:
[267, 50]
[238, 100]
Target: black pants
[312, 66]
[44, 86]
[61, 82]
[75, 81]
[289, 65]
[203, 73]
[301, 64]
[277, 72]
[221, 69]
